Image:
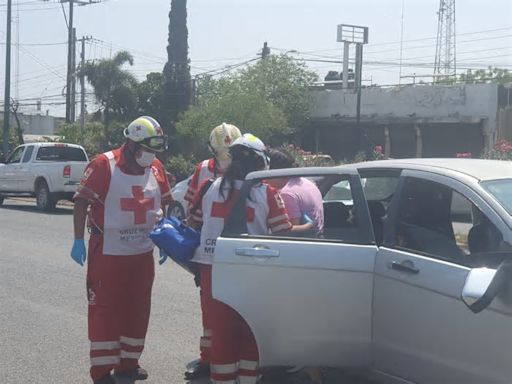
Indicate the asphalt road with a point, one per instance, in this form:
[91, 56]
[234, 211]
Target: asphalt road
[43, 316]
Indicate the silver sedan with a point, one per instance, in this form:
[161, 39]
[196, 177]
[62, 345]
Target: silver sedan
[410, 279]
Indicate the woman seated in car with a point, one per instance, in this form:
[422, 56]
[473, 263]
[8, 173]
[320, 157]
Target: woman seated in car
[301, 196]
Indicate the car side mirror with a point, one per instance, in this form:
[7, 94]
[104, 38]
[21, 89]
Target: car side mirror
[483, 285]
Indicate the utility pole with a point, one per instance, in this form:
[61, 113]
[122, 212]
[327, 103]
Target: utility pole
[358, 79]
[72, 105]
[71, 60]
[71, 69]
[82, 84]
[7, 95]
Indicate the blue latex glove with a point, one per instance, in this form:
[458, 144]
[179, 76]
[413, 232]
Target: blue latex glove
[163, 256]
[305, 219]
[78, 252]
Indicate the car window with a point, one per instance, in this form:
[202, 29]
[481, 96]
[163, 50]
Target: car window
[435, 220]
[60, 153]
[502, 192]
[16, 156]
[378, 191]
[379, 187]
[338, 215]
[28, 154]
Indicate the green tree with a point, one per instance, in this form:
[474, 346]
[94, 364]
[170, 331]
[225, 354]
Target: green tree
[115, 88]
[249, 111]
[265, 99]
[91, 138]
[13, 139]
[284, 82]
[151, 96]
[177, 86]
[489, 75]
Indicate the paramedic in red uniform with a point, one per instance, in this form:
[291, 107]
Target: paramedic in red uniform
[126, 190]
[221, 138]
[234, 355]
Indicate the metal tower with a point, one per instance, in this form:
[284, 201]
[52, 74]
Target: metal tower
[445, 63]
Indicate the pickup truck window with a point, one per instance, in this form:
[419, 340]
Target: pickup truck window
[28, 154]
[60, 154]
[16, 156]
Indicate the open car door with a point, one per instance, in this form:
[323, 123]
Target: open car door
[307, 300]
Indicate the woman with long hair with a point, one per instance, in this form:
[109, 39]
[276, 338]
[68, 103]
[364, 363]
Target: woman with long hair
[234, 354]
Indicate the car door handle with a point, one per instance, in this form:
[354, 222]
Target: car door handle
[262, 252]
[405, 266]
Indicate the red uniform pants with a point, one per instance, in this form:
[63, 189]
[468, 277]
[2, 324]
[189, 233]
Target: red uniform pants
[205, 343]
[234, 354]
[119, 295]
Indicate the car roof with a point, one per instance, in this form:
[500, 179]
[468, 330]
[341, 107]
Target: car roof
[478, 169]
[53, 144]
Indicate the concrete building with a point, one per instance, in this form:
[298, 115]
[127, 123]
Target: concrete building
[36, 127]
[410, 121]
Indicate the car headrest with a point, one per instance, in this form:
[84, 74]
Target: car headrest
[376, 209]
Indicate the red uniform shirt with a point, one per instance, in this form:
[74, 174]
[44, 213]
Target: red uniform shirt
[96, 180]
[265, 214]
[205, 170]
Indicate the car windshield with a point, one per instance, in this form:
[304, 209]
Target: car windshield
[502, 192]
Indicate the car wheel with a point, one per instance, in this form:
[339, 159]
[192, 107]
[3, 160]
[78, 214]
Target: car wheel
[1, 200]
[44, 199]
[177, 210]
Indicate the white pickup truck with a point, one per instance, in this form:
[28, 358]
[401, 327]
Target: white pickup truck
[48, 171]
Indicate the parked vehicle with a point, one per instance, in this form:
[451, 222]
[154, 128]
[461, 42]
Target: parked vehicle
[411, 280]
[48, 171]
[179, 207]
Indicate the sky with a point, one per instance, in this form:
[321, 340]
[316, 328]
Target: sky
[227, 32]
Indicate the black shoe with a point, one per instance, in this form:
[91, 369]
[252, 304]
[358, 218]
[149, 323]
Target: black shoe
[197, 371]
[108, 379]
[136, 374]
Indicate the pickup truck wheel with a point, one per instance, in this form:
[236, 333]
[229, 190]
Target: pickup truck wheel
[177, 210]
[44, 199]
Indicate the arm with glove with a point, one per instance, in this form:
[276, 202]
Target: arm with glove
[79, 252]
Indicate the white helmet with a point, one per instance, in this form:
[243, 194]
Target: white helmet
[147, 132]
[221, 138]
[250, 141]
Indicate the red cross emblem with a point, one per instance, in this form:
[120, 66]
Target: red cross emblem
[139, 204]
[222, 210]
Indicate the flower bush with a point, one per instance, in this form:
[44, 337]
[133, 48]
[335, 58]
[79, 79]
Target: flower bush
[502, 150]
[307, 158]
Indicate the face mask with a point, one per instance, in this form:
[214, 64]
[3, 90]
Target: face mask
[145, 159]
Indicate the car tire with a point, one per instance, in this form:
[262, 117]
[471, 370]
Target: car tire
[44, 198]
[1, 200]
[177, 210]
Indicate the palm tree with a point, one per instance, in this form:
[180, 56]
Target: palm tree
[115, 89]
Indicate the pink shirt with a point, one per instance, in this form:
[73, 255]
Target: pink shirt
[302, 196]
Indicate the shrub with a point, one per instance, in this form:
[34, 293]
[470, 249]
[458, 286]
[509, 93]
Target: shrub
[502, 150]
[308, 159]
[180, 166]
